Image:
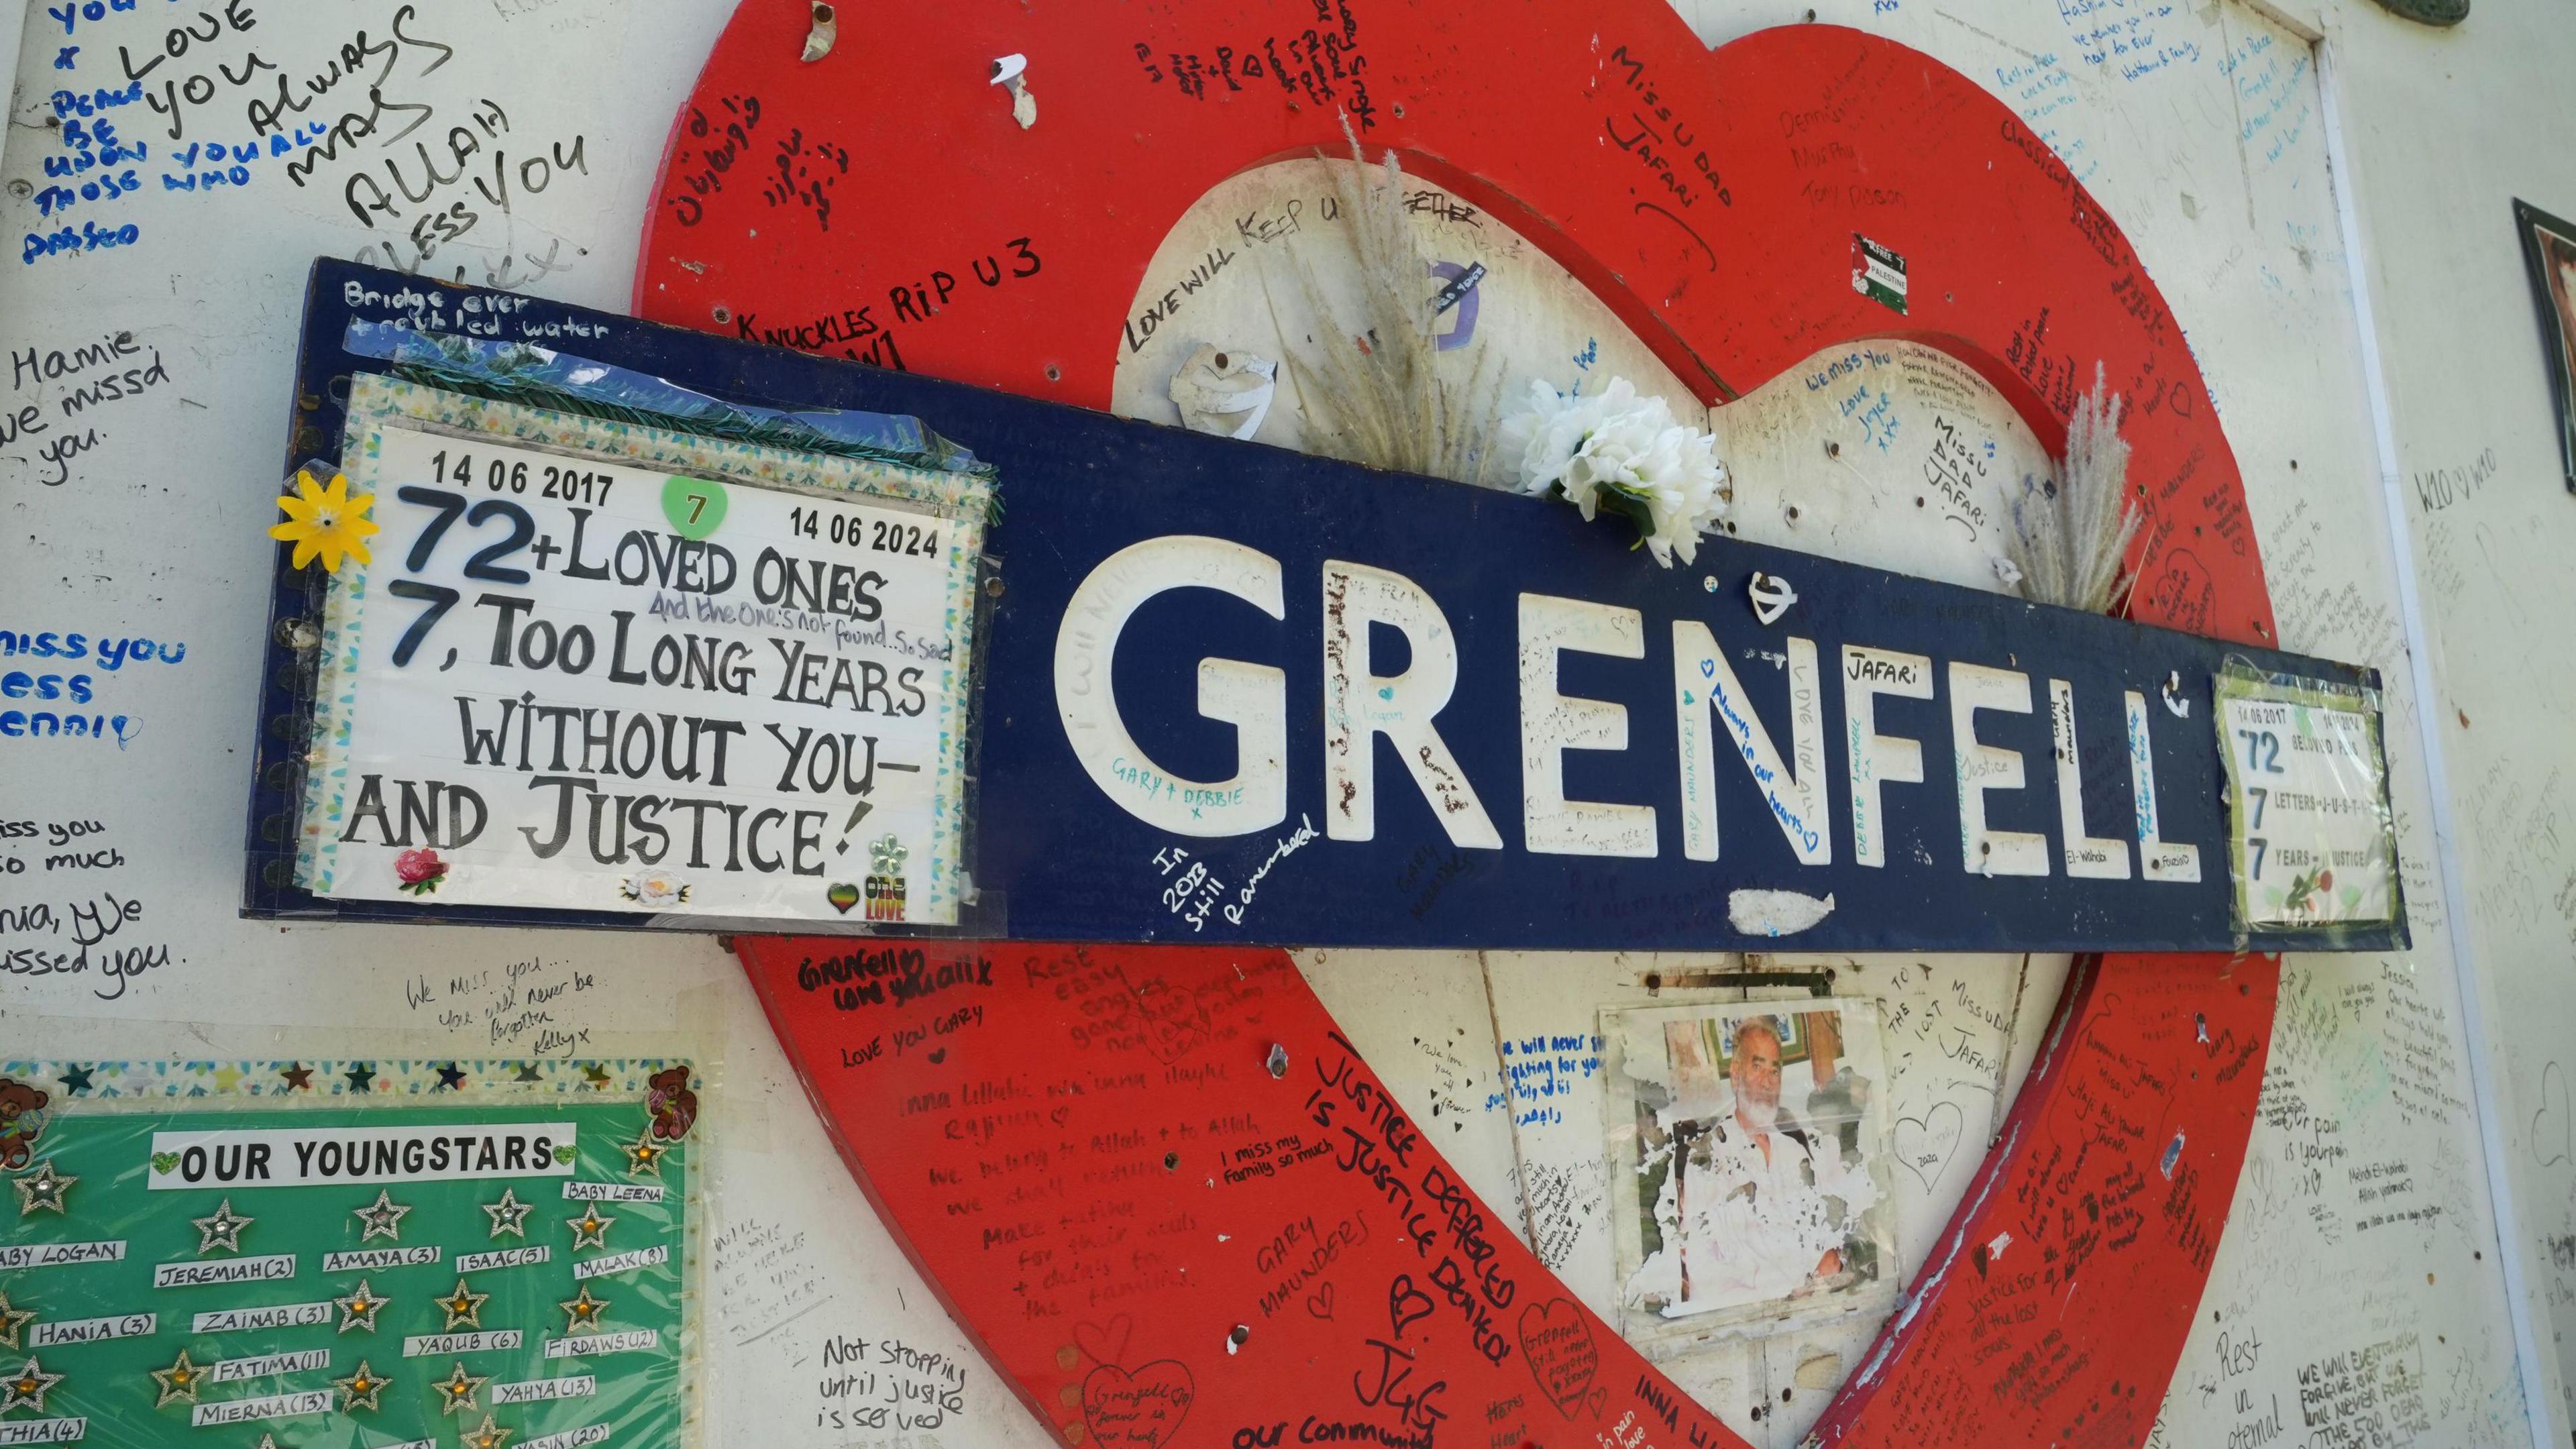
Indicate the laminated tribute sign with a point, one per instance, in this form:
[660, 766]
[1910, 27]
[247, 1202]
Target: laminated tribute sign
[604, 666]
[621, 654]
[2313, 841]
[374, 1252]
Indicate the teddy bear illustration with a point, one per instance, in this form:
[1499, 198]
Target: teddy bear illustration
[673, 1106]
[22, 1121]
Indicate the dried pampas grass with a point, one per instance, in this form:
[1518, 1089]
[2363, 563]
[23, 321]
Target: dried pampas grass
[2071, 534]
[1374, 393]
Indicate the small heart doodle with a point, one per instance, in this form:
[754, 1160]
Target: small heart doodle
[1926, 1144]
[1320, 1302]
[1106, 1344]
[1138, 1410]
[1406, 1305]
[2553, 1131]
[1563, 1355]
[938, 1055]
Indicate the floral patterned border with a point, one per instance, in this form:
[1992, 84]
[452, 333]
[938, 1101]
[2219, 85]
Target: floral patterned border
[372, 1079]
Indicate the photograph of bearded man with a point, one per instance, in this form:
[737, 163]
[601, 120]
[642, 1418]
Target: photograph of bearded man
[1756, 1157]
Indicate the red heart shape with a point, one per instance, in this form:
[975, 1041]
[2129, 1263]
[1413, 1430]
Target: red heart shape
[1038, 255]
[1143, 1409]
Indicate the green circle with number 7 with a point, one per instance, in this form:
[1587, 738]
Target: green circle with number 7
[694, 505]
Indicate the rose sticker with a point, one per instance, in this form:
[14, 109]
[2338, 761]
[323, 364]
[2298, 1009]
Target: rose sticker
[419, 871]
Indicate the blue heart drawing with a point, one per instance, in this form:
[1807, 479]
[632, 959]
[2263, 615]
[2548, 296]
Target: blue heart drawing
[1708, 669]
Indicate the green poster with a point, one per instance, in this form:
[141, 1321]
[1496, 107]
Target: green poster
[347, 1255]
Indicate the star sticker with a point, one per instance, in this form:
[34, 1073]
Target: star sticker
[509, 1215]
[28, 1386]
[359, 1076]
[590, 1230]
[358, 1389]
[11, 1320]
[456, 1392]
[592, 1075]
[221, 1228]
[75, 1080]
[178, 1381]
[299, 1077]
[582, 1312]
[527, 1073]
[488, 1435]
[463, 1306]
[358, 1310]
[450, 1077]
[644, 1156]
[42, 1188]
[266, 1441]
[383, 1217]
[227, 1078]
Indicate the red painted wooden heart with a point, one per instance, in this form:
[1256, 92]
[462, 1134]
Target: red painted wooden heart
[882, 203]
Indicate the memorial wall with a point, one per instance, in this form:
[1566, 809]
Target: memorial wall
[1285, 721]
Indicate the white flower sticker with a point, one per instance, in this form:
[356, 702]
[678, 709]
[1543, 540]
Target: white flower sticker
[654, 889]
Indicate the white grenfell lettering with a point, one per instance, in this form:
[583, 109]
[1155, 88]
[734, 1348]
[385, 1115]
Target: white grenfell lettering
[1715, 718]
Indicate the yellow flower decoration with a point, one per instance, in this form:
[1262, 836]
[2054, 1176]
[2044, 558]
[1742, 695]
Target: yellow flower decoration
[325, 522]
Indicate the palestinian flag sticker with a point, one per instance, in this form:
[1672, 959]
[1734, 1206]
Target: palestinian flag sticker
[1877, 273]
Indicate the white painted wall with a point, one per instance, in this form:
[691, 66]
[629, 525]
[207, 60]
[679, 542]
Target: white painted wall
[2217, 164]
[2441, 132]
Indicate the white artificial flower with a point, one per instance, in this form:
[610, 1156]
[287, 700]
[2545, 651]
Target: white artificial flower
[1614, 451]
[1685, 498]
[1549, 434]
[1617, 442]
